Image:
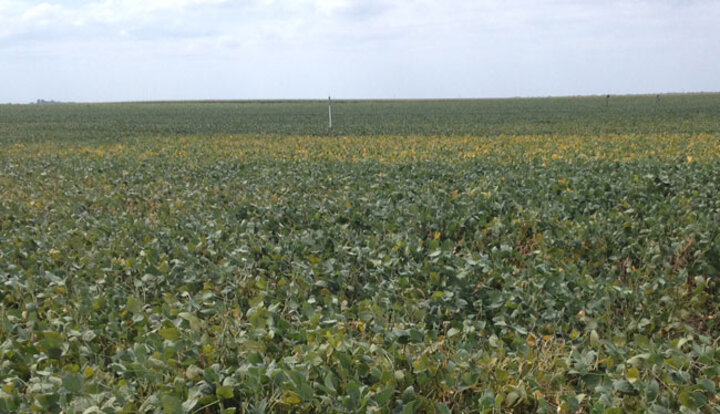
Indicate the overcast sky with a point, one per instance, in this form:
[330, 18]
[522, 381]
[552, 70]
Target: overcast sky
[118, 50]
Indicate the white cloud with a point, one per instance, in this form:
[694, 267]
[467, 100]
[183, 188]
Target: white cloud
[22, 19]
[286, 48]
[43, 13]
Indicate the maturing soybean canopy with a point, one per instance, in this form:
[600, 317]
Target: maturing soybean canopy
[563, 260]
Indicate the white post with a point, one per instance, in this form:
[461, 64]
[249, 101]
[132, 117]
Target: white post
[329, 113]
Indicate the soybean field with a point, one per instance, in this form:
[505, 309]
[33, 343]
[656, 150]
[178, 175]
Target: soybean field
[509, 255]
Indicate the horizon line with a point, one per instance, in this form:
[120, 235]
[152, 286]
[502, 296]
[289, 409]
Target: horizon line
[42, 101]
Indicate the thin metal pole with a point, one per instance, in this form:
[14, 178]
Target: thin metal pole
[329, 113]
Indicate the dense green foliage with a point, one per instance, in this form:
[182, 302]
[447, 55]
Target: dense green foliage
[578, 116]
[357, 274]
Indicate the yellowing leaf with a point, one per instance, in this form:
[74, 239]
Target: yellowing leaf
[224, 392]
[289, 397]
[171, 334]
[633, 375]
